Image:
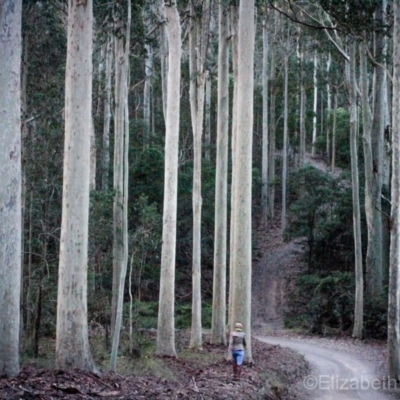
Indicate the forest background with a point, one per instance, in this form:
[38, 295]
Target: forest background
[322, 86]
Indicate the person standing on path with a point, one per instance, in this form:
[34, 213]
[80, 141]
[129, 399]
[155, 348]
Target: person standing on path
[237, 344]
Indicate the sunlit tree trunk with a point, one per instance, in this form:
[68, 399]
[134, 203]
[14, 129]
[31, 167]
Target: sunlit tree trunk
[121, 168]
[394, 276]
[241, 296]
[265, 138]
[218, 327]
[72, 344]
[359, 302]
[166, 318]
[10, 188]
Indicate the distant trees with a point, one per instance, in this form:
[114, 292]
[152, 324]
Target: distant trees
[10, 188]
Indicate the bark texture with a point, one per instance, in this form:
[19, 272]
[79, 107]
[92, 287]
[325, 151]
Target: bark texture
[241, 296]
[166, 318]
[10, 188]
[72, 344]
[218, 328]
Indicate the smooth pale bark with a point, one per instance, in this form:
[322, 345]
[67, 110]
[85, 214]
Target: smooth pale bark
[218, 326]
[121, 171]
[234, 15]
[107, 115]
[272, 121]
[359, 295]
[394, 275]
[372, 146]
[285, 144]
[198, 43]
[24, 329]
[10, 188]
[242, 255]
[163, 57]
[166, 317]
[315, 105]
[302, 154]
[265, 138]
[72, 344]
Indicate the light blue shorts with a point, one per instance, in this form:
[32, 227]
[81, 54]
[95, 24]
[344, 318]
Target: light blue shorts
[238, 356]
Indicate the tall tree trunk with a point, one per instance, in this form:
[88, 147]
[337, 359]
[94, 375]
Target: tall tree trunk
[198, 50]
[164, 56]
[241, 301]
[166, 319]
[148, 67]
[335, 106]
[372, 149]
[265, 138]
[315, 104]
[328, 107]
[72, 344]
[272, 122]
[218, 327]
[359, 302]
[302, 110]
[234, 9]
[285, 144]
[10, 188]
[121, 170]
[107, 115]
[207, 119]
[394, 276]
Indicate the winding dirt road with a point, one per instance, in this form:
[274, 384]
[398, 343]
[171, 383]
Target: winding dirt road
[336, 375]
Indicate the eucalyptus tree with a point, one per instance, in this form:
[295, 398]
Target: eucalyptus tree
[241, 295]
[218, 327]
[72, 344]
[105, 162]
[166, 318]
[265, 138]
[359, 295]
[315, 104]
[394, 274]
[234, 24]
[121, 171]
[198, 43]
[272, 116]
[10, 190]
